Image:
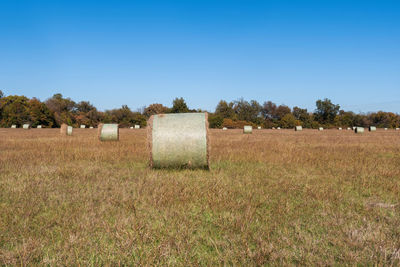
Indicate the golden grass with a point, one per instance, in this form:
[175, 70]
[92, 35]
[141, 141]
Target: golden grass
[271, 198]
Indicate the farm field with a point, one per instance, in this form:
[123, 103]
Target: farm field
[270, 198]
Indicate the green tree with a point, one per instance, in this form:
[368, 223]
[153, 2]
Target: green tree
[303, 116]
[179, 106]
[326, 111]
[289, 121]
[215, 120]
[14, 110]
[225, 110]
[247, 111]
[155, 109]
[40, 114]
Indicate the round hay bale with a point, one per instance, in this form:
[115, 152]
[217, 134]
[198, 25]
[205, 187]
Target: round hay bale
[259, 127]
[178, 140]
[91, 127]
[320, 129]
[298, 128]
[26, 126]
[354, 128]
[109, 132]
[348, 129]
[372, 128]
[340, 128]
[99, 126]
[359, 130]
[247, 129]
[69, 130]
[83, 126]
[397, 129]
[39, 127]
[137, 126]
[131, 127]
[224, 129]
[386, 129]
[278, 128]
[13, 126]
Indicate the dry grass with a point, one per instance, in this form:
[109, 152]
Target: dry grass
[271, 198]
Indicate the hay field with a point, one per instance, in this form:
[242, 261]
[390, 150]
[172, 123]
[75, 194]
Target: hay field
[271, 198]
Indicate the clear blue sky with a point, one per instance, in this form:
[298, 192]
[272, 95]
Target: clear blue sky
[141, 52]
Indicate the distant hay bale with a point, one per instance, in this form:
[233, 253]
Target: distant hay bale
[65, 129]
[109, 132]
[26, 126]
[298, 128]
[386, 129]
[178, 140]
[359, 130]
[137, 126]
[247, 129]
[69, 130]
[354, 128]
[397, 129]
[224, 129]
[372, 128]
[131, 127]
[348, 129]
[278, 128]
[320, 129]
[83, 126]
[13, 126]
[39, 127]
[91, 127]
[340, 128]
[259, 127]
[273, 128]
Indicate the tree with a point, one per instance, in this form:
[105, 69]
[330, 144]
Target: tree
[40, 114]
[179, 106]
[1, 94]
[246, 111]
[225, 110]
[14, 110]
[64, 109]
[269, 110]
[303, 116]
[289, 121]
[326, 111]
[155, 109]
[282, 111]
[215, 121]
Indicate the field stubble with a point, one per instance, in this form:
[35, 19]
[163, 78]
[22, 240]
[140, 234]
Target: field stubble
[271, 198]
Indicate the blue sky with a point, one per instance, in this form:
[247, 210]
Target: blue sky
[141, 52]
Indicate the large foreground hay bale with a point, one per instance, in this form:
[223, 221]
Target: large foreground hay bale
[298, 128]
[178, 140]
[372, 128]
[247, 129]
[359, 130]
[26, 126]
[109, 132]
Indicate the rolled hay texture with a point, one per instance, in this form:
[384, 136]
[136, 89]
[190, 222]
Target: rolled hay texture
[13, 126]
[348, 129]
[131, 127]
[83, 126]
[69, 130]
[359, 130]
[278, 128]
[372, 128]
[298, 128]
[320, 129]
[224, 129]
[39, 126]
[386, 129]
[91, 127]
[65, 129]
[26, 126]
[109, 132]
[178, 140]
[397, 129]
[259, 127]
[247, 129]
[340, 129]
[137, 126]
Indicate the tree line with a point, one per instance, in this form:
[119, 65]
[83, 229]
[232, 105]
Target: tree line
[57, 109]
